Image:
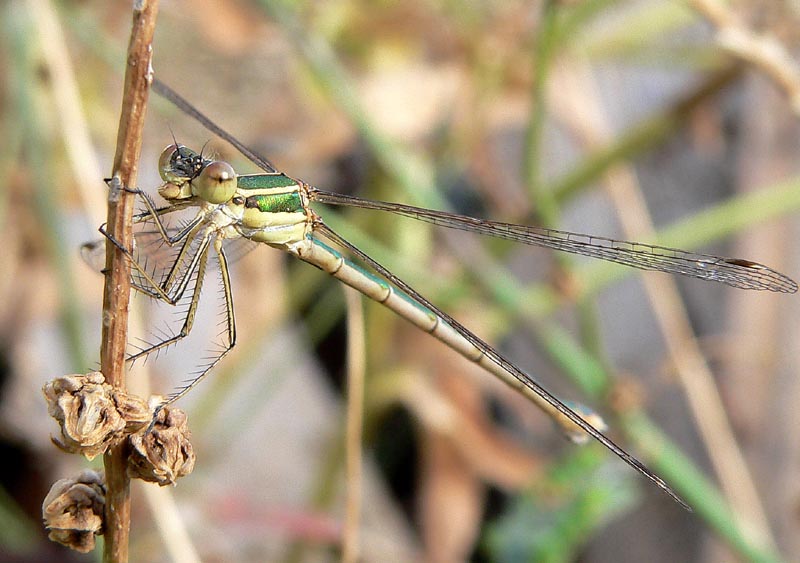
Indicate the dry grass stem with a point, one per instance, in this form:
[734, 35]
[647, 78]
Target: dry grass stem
[762, 51]
[72, 120]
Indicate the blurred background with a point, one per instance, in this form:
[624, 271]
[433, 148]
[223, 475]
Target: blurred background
[660, 121]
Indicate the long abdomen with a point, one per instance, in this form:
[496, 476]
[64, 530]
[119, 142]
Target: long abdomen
[332, 262]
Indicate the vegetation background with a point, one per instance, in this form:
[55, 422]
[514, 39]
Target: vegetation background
[599, 116]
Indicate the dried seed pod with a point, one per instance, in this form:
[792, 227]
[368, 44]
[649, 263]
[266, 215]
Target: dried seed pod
[164, 453]
[92, 415]
[73, 510]
[133, 410]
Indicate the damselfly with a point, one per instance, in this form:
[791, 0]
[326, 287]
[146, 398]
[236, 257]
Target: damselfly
[273, 208]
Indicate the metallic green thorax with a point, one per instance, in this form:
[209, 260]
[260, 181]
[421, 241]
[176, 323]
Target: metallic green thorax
[274, 210]
[275, 203]
[264, 181]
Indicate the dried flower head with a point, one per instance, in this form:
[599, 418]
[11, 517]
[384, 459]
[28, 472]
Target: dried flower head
[73, 510]
[92, 415]
[164, 453]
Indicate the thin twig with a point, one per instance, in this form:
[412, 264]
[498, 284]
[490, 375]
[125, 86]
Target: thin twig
[170, 525]
[116, 295]
[760, 50]
[356, 354]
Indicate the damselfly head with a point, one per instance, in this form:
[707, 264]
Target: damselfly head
[179, 164]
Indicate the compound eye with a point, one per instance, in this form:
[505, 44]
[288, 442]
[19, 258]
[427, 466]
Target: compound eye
[216, 183]
[175, 164]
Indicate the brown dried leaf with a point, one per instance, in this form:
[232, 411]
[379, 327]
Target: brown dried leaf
[448, 487]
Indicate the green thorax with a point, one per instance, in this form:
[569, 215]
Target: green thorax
[273, 209]
[258, 182]
[270, 193]
[289, 202]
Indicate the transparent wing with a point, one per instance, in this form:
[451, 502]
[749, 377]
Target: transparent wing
[735, 272]
[155, 256]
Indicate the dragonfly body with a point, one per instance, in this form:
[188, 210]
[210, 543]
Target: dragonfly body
[276, 212]
[272, 208]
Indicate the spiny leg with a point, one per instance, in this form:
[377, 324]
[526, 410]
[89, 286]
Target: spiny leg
[199, 262]
[173, 288]
[153, 288]
[176, 281]
[185, 235]
[149, 286]
[230, 324]
[155, 213]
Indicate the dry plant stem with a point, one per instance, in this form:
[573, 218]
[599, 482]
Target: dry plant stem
[356, 355]
[70, 114]
[690, 365]
[174, 535]
[761, 51]
[116, 296]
